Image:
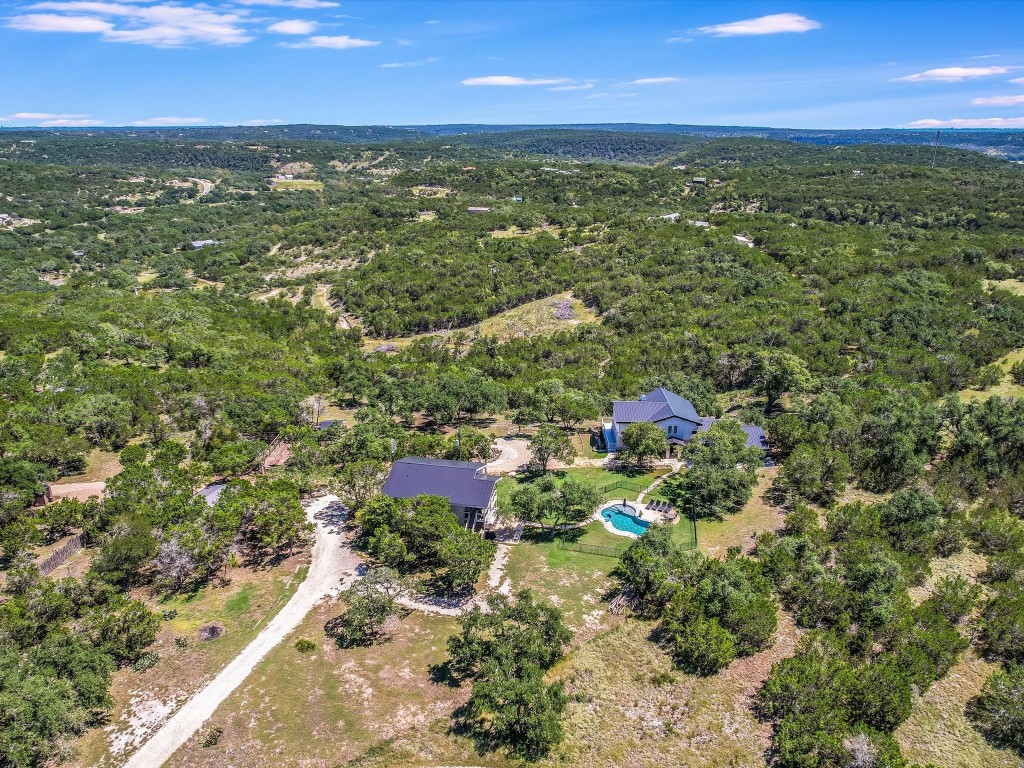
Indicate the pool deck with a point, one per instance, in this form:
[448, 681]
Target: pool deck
[638, 508]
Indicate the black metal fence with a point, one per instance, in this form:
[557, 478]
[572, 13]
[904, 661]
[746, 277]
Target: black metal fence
[591, 549]
[627, 485]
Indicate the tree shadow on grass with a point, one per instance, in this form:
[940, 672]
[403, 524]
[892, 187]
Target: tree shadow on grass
[464, 724]
[443, 674]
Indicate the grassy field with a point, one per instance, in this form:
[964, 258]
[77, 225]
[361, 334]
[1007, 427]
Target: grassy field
[573, 581]
[99, 465]
[623, 715]
[939, 732]
[241, 608]
[291, 184]
[1013, 286]
[535, 318]
[715, 537]
[330, 705]
[516, 232]
[1005, 388]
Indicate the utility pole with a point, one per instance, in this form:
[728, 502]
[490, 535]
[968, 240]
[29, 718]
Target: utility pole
[935, 147]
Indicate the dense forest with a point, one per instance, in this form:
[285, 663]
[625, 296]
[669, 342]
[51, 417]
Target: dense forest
[187, 301]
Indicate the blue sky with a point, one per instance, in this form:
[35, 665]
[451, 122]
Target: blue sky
[857, 64]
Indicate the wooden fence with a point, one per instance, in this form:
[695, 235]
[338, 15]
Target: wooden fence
[59, 556]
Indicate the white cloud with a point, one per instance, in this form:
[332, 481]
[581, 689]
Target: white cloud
[969, 122]
[65, 122]
[654, 80]
[505, 80]
[405, 64]
[263, 121]
[300, 4]
[998, 101]
[953, 74]
[580, 87]
[293, 27]
[773, 24]
[41, 116]
[1018, 81]
[338, 42]
[51, 22]
[606, 95]
[171, 122]
[160, 24]
[680, 40]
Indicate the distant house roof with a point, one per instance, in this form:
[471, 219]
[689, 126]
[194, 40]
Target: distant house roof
[478, 209]
[212, 492]
[656, 405]
[197, 244]
[462, 482]
[328, 423]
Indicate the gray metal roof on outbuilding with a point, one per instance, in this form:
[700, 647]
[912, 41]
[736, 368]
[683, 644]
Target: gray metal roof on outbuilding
[464, 483]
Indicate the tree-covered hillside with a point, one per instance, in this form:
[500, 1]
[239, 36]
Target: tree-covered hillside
[186, 303]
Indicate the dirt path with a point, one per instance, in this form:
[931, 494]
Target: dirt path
[80, 491]
[334, 566]
[514, 456]
[496, 582]
[206, 185]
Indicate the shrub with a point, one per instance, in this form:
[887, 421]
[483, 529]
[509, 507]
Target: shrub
[303, 645]
[145, 661]
[703, 646]
[211, 738]
[1017, 372]
[999, 708]
[955, 597]
[1003, 623]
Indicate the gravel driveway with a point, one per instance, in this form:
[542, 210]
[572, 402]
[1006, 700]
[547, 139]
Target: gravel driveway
[333, 568]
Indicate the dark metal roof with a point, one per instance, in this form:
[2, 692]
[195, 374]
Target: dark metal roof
[656, 405]
[628, 411]
[461, 482]
[756, 437]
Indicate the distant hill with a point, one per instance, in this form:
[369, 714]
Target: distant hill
[1008, 144]
[233, 146]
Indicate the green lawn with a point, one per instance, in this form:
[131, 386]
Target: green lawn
[635, 482]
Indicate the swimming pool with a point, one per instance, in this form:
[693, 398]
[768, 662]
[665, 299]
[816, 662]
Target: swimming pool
[623, 518]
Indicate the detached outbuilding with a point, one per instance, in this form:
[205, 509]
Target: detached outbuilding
[471, 492]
